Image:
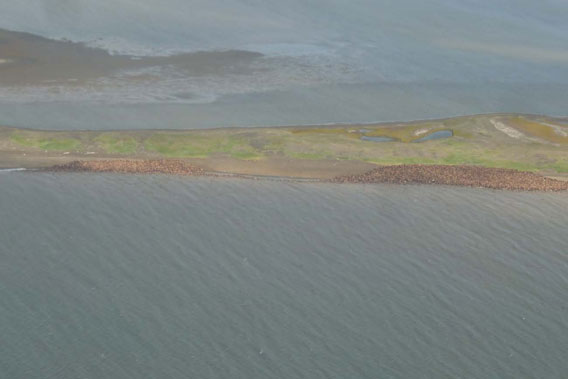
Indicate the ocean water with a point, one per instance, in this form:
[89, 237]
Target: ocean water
[113, 276]
[116, 276]
[319, 61]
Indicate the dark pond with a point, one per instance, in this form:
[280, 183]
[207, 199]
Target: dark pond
[436, 135]
[378, 139]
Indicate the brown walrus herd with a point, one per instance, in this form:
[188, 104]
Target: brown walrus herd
[471, 176]
[132, 166]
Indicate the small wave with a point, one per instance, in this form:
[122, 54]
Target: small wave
[11, 169]
[121, 46]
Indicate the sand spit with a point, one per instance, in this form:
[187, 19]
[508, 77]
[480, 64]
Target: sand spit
[132, 166]
[470, 176]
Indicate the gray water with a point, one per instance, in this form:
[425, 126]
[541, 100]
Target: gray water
[113, 276]
[377, 139]
[317, 62]
[440, 134]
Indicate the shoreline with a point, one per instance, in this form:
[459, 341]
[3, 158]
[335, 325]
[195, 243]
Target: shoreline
[562, 118]
[462, 175]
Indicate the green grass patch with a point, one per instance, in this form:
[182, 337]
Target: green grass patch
[394, 161]
[116, 144]
[246, 155]
[536, 129]
[559, 167]
[178, 146]
[200, 146]
[456, 158]
[351, 133]
[406, 134]
[49, 144]
[310, 155]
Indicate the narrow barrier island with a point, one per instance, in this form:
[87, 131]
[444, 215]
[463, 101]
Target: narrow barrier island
[505, 151]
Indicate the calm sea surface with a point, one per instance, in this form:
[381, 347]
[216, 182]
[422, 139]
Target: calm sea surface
[112, 276]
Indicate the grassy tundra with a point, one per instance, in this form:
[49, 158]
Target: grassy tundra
[528, 143]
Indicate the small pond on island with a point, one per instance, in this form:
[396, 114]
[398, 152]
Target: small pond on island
[436, 135]
[378, 139]
[432, 136]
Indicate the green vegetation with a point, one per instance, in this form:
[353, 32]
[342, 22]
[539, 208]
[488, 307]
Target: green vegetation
[545, 131]
[505, 141]
[404, 133]
[115, 143]
[199, 145]
[47, 143]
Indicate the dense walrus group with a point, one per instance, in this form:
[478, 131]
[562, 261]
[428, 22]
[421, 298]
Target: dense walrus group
[471, 176]
[132, 166]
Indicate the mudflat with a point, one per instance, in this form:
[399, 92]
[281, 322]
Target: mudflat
[27, 60]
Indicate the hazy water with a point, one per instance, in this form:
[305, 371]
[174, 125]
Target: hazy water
[111, 276]
[323, 61]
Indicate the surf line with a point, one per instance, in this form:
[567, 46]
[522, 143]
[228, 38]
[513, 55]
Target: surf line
[11, 169]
